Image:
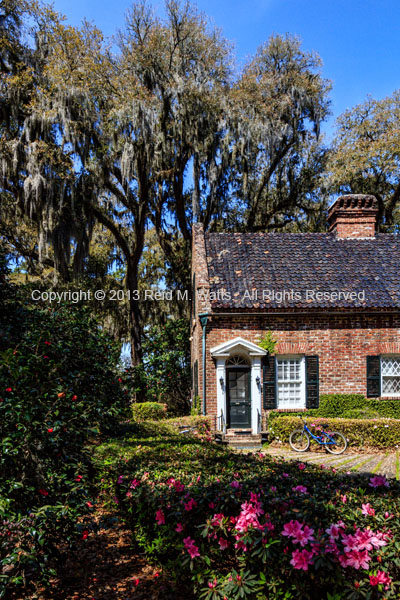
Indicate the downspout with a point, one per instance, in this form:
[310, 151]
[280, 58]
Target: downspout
[203, 320]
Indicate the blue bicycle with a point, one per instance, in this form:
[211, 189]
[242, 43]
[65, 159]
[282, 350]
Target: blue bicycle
[334, 442]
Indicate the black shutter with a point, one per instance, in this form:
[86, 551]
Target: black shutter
[269, 382]
[312, 381]
[373, 376]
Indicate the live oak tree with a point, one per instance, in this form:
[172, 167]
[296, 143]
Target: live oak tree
[279, 103]
[156, 135]
[365, 155]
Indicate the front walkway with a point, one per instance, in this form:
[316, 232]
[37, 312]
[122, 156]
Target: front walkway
[387, 464]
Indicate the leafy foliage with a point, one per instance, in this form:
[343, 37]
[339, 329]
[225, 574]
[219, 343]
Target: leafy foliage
[165, 373]
[268, 342]
[365, 158]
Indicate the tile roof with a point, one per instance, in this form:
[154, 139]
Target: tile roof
[247, 270]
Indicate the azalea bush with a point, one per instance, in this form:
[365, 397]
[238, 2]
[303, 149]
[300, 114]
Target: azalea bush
[249, 526]
[374, 433]
[60, 388]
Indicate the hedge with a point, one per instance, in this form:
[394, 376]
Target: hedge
[349, 406]
[376, 433]
[144, 411]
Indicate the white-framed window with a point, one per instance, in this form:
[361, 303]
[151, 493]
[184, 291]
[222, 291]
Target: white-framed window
[390, 376]
[291, 385]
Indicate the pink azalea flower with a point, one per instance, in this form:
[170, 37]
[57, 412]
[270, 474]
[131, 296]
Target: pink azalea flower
[356, 559]
[235, 485]
[291, 529]
[212, 584]
[302, 466]
[191, 547]
[378, 481]
[285, 475]
[380, 578]
[120, 479]
[368, 510]
[223, 544]
[295, 530]
[301, 559]
[179, 527]
[335, 529]
[300, 488]
[134, 483]
[343, 498]
[190, 504]
[272, 489]
[160, 517]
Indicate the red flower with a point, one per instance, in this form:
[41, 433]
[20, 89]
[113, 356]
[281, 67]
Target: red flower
[89, 504]
[50, 430]
[85, 534]
[78, 477]
[75, 397]
[45, 356]
[61, 395]
[119, 379]
[136, 581]
[8, 389]
[44, 492]
[47, 343]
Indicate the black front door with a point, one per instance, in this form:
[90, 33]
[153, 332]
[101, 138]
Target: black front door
[239, 402]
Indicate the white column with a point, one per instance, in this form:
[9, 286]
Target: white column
[255, 392]
[221, 389]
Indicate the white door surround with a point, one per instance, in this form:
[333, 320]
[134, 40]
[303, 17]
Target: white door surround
[253, 354]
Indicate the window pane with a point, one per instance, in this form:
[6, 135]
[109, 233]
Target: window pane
[391, 385]
[391, 366]
[289, 369]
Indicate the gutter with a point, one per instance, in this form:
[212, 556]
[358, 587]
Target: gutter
[203, 320]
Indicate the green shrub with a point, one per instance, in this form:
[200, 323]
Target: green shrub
[144, 411]
[334, 405]
[349, 406]
[60, 388]
[375, 433]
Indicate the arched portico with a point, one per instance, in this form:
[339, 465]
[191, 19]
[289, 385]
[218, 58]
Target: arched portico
[238, 373]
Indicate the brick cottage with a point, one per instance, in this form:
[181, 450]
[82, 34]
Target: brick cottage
[330, 300]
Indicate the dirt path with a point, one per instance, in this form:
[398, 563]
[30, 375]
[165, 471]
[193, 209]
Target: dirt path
[106, 567]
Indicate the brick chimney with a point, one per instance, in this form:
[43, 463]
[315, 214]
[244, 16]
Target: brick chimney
[353, 216]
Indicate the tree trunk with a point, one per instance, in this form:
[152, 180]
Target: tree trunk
[134, 313]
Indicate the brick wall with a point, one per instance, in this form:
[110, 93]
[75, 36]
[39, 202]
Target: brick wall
[342, 343]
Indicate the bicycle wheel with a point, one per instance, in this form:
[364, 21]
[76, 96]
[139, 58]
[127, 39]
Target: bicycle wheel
[340, 444]
[299, 440]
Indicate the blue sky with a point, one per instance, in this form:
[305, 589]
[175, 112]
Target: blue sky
[358, 40]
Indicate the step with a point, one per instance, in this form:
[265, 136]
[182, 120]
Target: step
[242, 437]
